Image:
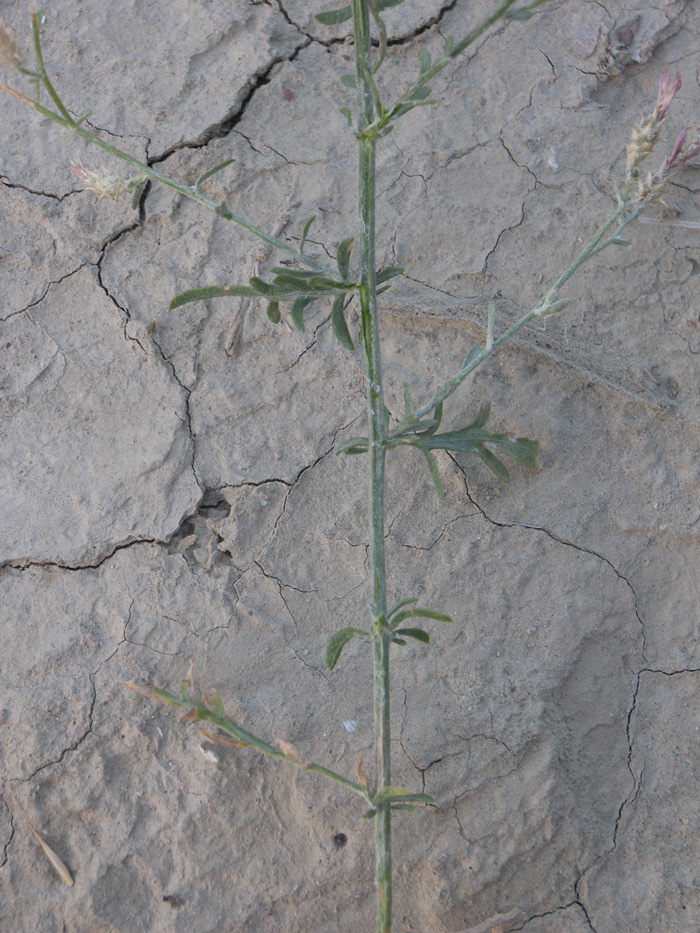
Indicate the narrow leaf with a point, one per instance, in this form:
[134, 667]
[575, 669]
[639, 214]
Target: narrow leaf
[338, 642]
[298, 312]
[212, 171]
[137, 193]
[354, 445]
[425, 61]
[385, 274]
[435, 473]
[416, 633]
[347, 113]
[307, 227]
[211, 291]
[494, 464]
[369, 815]
[339, 324]
[333, 17]
[400, 605]
[418, 612]
[273, 311]
[343, 257]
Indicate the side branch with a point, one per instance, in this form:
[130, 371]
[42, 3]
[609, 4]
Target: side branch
[219, 207]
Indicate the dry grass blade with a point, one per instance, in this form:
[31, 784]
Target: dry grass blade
[291, 752]
[56, 862]
[219, 739]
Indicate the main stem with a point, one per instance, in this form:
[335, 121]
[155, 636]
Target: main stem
[376, 434]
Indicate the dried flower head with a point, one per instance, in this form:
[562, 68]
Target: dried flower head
[8, 49]
[104, 184]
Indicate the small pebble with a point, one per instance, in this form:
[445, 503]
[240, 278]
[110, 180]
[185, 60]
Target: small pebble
[287, 94]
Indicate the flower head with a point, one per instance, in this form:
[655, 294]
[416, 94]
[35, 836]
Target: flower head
[102, 183]
[667, 91]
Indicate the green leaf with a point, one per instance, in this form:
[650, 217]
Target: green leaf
[273, 311]
[416, 633]
[521, 14]
[407, 400]
[261, 287]
[400, 605]
[343, 257]
[339, 324]
[211, 291]
[137, 194]
[369, 815]
[620, 241]
[338, 642]
[418, 612]
[354, 445]
[399, 641]
[305, 231]
[385, 274]
[400, 794]
[333, 17]
[435, 473]
[83, 117]
[437, 418]
[420, 93]
[347, 113]
[223, 210]
[425, 61]
[211, 171]
[298, 312]
[494, 464]
[349, 81]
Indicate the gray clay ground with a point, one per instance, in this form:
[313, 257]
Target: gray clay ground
[161, 500]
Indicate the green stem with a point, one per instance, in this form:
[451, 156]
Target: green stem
[198, 711]
[377, 454]
[622, 217]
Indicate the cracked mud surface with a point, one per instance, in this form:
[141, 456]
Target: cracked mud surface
[162, 499]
